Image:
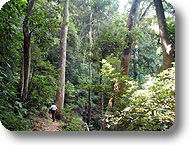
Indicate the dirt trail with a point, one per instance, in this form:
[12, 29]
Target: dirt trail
[53, 126]
[42, 124]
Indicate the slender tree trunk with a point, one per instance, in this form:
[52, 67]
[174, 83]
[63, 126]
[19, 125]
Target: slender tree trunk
[166, 45]
[89, 97]
[27, 50]
[101, 81]
[20, 89]
[90, 67]
[135, 65]
[62, 58]
[102, 100]
[126, 53]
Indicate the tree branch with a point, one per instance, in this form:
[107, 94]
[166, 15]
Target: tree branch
[34, 29]
[143, 15]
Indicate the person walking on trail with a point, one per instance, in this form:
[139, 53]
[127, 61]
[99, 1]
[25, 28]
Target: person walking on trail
[53, 108]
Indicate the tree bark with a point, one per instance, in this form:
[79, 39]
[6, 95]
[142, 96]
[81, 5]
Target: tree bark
[166, 45]
[62, 58]
[126, 53]
[27, 50]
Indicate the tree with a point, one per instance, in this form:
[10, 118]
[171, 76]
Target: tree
[126, 53]
[166, 45]
[27, 50]
[62, 57]
[90, 65]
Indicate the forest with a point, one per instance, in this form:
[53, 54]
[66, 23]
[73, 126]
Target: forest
[105, 67]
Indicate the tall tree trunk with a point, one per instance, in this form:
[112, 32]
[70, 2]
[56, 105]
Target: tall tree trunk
[62, 58]
[126, 53]
[166, 45]
[101, 81]
[27, 50]
[90, 67]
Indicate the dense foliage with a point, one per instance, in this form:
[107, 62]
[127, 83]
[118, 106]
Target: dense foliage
[144, 100]
[146, 107]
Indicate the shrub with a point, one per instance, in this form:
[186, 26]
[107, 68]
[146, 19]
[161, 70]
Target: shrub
[150, 108]
[70, 122]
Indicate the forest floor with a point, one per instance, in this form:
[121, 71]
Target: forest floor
[42, 124]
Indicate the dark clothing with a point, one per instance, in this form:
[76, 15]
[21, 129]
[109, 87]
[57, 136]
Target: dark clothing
[54, 115]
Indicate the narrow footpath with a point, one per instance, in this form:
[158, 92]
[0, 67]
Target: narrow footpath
[42, 124]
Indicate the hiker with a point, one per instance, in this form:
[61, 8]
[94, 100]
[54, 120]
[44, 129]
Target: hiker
[53, 108]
